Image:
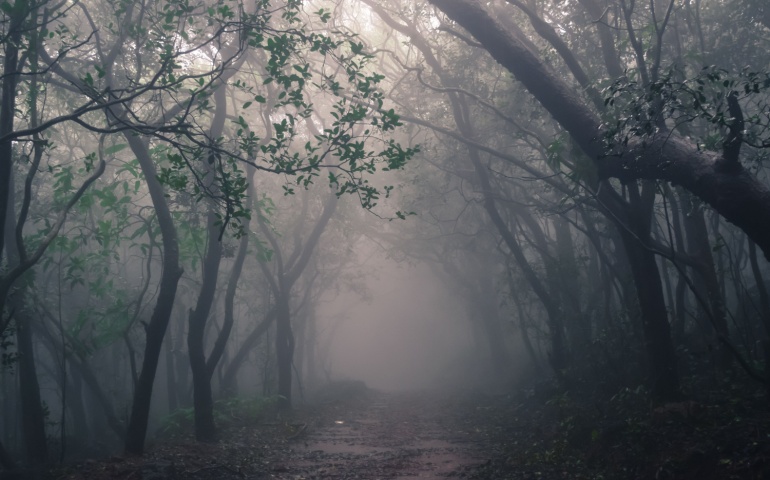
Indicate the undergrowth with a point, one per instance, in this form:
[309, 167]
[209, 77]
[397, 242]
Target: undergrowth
[228, 411]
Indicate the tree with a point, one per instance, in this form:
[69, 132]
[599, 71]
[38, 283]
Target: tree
[717, 178]
[150, 76]
[288, 269]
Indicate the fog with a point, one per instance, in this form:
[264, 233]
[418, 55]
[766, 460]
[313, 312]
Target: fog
[206, 205]
[413, 334]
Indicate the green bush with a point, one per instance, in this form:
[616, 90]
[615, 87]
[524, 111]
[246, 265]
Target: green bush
[234, 410]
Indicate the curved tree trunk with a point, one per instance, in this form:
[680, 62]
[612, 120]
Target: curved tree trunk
[203, 402]
[667, 158]
[228, 385]
[551, 306]
[155, 330]
[227, 325]
[282, 283]
[218, 349]
[722, 183]
[83, 371]
[460, 113]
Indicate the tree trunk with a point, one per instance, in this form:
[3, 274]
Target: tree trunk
[705, 277]
[311, 352]
[284, 345]
[75, 402]
[680, 293]
[232, 285]
[181, 360]
[523, 328]
[490, 321]
[74, 385]
[552, 308]
[171, 383]
[764, 298]
[725, 185]
[7, 111]
[282, 283]
[661, 356]
[32, 414]
[155, 330]
[577, 323]
[228, 386]
[203, 402]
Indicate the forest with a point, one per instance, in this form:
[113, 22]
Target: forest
[384, 239]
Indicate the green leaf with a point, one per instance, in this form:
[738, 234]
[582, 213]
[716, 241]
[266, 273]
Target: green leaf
[115, 149]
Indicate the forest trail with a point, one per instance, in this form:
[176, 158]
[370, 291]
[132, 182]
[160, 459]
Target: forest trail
[399, 436]
[352, 433]
[357, 433]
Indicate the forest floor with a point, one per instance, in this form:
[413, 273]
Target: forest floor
[356, 433]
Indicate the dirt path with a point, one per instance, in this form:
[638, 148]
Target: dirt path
[360, 434]
[355, 434]
[397, 436]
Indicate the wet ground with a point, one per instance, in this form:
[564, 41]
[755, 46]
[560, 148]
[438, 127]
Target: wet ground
[359, 434]
[398, 436]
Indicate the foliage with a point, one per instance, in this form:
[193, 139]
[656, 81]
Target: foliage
[229, 411]
[697, 105]
[295, 67]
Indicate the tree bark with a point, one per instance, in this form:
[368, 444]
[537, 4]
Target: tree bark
[81, 368]
[284, 344]
[203, 402]
[705, 278]
[764, 298]
[729, 188]
[171, 383]
[552, 307]
[228, 379]
[10, 80]
[181, 360]
[578, 324]
[155, 330]
[661, 355]
[218, 349]
[282, 283]
[81, 430]
[460, 113]
[32, 414]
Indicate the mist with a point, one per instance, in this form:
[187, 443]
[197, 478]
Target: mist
[479, 239]
[410, 335]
